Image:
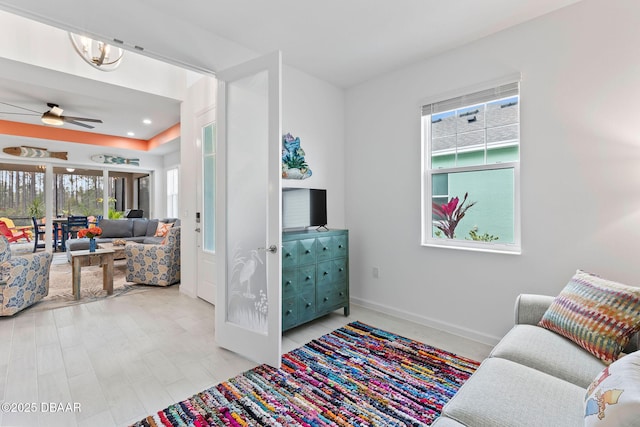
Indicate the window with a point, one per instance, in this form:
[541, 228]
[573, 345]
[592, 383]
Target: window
[471, 148]
[209, 187]
[172, 193]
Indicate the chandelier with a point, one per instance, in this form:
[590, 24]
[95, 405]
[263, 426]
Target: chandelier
[96, 53]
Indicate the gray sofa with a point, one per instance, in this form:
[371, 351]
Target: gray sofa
[533, 377]
[139, 230]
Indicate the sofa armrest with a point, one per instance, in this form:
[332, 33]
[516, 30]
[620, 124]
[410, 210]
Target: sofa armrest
[530, 308]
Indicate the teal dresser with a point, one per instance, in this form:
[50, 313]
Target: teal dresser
[315, 275]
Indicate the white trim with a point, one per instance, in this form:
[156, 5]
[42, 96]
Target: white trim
[428, 322]
[477, 87]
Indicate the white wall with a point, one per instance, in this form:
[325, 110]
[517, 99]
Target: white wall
[580, 174]
[314, 111]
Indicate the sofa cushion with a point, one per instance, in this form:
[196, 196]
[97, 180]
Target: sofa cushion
[502, 393]
[613, 399]
[152, 226]
[116, 228]
[139, 227]
[548, 352]
[163, 229]
[150, 240]
[597, 314]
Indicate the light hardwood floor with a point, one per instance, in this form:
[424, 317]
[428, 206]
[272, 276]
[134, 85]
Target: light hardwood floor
[124, 358]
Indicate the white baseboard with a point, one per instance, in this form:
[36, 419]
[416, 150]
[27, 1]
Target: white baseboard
[427, 321]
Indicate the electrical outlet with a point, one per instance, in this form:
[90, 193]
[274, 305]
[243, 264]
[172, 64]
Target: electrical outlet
[376, 272]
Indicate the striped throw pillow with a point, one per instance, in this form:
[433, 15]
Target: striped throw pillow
[597, 314]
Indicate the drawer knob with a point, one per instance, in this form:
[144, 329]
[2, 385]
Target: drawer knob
[341, 269]
[308, 278]
[307, 251]
[325, 273]
[288, 254]
[308, 304]
[289, 311]
[341, 294]
[326, 299]
[288, 282]
[339, 246]
[325, 248]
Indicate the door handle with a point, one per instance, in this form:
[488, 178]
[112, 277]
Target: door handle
[197, 230]
[273, 249]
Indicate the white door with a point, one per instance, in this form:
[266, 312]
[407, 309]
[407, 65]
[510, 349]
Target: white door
[205, 200]
[248, 209]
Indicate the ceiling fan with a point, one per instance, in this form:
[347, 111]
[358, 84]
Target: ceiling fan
[53, 116]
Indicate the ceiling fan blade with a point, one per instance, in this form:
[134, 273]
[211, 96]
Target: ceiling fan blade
[22, 108]
[73, 122]
[83, 119]
[20, 114]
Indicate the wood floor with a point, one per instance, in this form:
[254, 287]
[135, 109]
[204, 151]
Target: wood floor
[121, 359]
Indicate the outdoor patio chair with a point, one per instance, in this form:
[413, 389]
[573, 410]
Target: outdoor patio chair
[12, 236]
[17, 228]
[71, 227]
[24, 280]
[38, 233]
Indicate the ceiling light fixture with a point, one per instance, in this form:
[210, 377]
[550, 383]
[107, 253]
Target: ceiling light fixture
[71, 170]
[51, 119]
[96, 53]
[146, 121]
[131, 134]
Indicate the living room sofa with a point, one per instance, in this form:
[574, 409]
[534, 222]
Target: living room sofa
[138, 230]
[533, 377]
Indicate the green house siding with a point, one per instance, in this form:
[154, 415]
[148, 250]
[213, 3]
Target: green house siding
[493, 192]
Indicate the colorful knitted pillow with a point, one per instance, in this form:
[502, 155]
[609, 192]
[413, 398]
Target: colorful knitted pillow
[163, 229]
[613, 398]
[597, 314]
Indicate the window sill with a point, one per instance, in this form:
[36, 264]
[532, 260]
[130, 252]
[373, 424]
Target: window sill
[516, 250]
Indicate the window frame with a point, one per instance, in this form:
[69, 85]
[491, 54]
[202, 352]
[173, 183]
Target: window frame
[173, 199]
[427, 238]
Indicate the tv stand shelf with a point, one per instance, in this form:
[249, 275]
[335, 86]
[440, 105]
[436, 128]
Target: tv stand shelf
[315, 275]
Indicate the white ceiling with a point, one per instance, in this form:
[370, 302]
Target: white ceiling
[342, 42]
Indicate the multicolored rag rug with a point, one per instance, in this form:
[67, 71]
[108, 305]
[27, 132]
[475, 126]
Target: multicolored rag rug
[355, 376]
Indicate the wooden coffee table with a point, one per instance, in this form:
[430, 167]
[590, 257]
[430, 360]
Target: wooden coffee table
[102, 257]
[117, 249]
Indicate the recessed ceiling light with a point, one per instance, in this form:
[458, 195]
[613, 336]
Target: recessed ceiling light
[130, 133]
[147, 121]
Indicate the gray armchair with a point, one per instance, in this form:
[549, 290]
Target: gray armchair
[24, 280]
[155, 264]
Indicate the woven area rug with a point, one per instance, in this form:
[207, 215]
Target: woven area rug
[355, 376]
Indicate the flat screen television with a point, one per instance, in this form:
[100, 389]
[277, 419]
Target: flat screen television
[303, 207]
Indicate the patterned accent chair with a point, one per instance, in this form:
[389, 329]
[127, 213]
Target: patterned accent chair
[154, 264]
[24, 280]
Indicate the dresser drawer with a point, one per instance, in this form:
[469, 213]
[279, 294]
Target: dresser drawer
[306, 278]
[289, 312]
[306, 251]
[289, 280]
[340, 246]
[324, 273]
[329, 299]
[324, 248]
[289, 254]
[306, 306]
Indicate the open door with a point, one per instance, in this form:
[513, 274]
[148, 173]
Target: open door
[248, 209]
